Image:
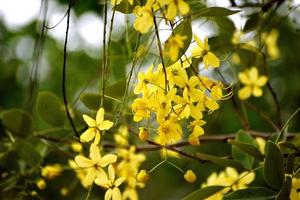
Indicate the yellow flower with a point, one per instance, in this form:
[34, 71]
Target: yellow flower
[295, 194]
[190, 176]
[144, 21]
[271, 43]
[94, 163]
[144, 80]
[209, 59]
[121, 137]
[51, 171]
[95, 126]
[117, 2]
[76, 146]
[173, 46]
[110, 184]
[173, 6]
[169, 131]
[140, 109]
[193, 140]
[41, 184]
[196, 126]
[261, 142]
[252, 82]
[229, 178]
[143, 176]
[143, 134]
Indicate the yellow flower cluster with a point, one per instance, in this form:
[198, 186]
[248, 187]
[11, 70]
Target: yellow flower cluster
[145, 13]
[91, 169]
[229, 178]
[173, 95]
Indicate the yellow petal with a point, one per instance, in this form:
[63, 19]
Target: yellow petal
[213, 60]
[83, 162]
[100, 115]
[116, 194]
[183, 7]
[253, 74]
[244, 93]
[108, 194]
[89, 121]
[95, 153]
[247, 178]
[199, 42]
[105, 125]
[91, 176]
[172, 11]
[88, 135]
[102, 180]
[111, 173]
[244, 79]
[262, 80]
[108, 159]
[257, 91]
[198, 130]
[97, 138]
[119, 181]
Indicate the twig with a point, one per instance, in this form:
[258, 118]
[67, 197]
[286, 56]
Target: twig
[64, 72]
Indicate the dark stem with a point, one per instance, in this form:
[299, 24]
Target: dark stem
[64, 72]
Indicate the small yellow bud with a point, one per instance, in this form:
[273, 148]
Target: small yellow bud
[64, 191]
[193, 140]
[76, 146]
[190, 176]
[51, 171]
[143, 176]
[143, 134]
[41, 184]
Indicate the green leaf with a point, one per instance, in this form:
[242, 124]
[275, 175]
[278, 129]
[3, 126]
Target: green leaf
[252, 22]
[244, 149]
[254, 193]
[27, 152]
[245, 143]
[183, 29]
[125, 7]
[18, 122]
[221, 161]
[273, 166]
[51, 109]
[285, 191]
[215, 11]
[92, 101]
[289, 145]
[203, 193]
[225, 24]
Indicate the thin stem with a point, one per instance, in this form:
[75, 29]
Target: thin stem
[64, 72]
[103, 52]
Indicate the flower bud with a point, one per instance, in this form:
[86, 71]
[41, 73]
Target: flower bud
[143, 176]
[193, 140]
[190, 176]
[143, 134]
[41, 184]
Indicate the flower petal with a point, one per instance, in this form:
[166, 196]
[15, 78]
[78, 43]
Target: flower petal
[100, 115]
[95, 153]
[262, 80]
[107, 159]
[83, 162]
[88, 135]
[89, 121]
[108, 194]
[90, 177]
[244, 93]
[116, 194]
[105, 125]
[199, 42]
[257, 91]
[119, 181]
[111, 173]
[183, 7]
[213, 60]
